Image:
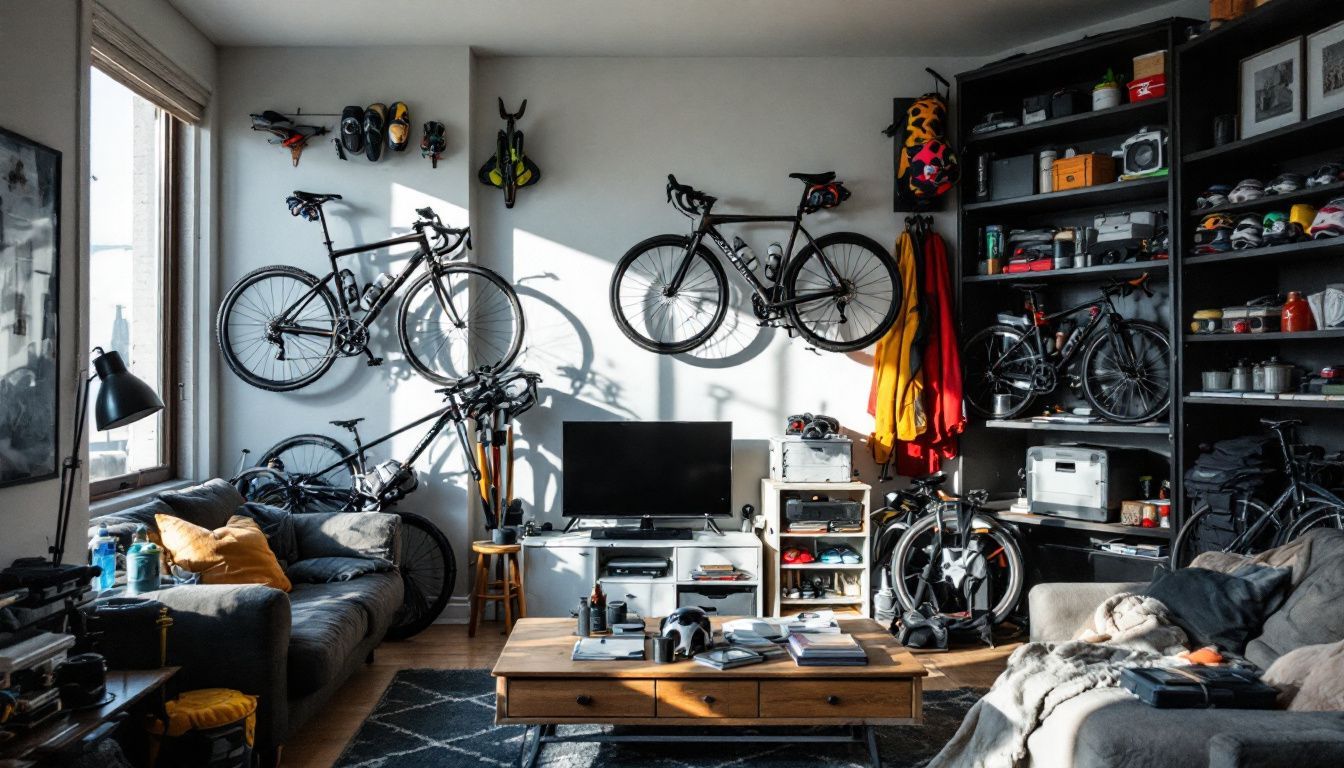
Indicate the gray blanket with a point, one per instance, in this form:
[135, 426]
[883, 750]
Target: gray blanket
[1125, 631]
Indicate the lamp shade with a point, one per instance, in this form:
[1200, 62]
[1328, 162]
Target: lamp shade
[122, 397]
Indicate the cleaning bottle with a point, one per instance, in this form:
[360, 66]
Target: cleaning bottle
[103, 553]
[143, 563]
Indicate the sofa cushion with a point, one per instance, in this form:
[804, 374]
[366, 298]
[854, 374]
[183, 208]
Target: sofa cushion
[1220, 609]
[1313, 614]
[123, 522]
[1310, 678]
[322, 570]
[209, 505]
[329, 622]
[278, 525]
[349, 534]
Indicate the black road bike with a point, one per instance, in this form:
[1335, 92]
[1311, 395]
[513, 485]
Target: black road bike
[280, 328]
[1124, 372]
[1253, 526]
[316, 473]
[840, 291]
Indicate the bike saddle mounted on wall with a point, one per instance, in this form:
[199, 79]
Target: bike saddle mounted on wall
[509, 168]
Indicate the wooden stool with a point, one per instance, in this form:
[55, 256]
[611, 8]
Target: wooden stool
[510, 583]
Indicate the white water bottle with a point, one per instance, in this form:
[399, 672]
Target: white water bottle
[375, 289]
[744, 253]
[774, 256]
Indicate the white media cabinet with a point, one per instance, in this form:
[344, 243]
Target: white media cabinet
[560, 568]
[778, 539]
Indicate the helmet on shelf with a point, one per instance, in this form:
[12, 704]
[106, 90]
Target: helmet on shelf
[1285, 183]
[1246, 191]
[1302, 216]
[1249, 233]
[1326, 174]
[1277, 229]
[1213, 197]
[689, 629]
[1214, 234]
[1329, 220]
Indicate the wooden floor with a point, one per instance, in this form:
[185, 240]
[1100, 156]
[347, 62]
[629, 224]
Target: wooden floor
[446, 646]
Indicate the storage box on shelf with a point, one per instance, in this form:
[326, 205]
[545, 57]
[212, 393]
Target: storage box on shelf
[778, 538]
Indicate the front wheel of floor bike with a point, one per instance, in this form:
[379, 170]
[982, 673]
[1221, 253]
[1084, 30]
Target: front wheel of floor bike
[992, 541]
[1127, 374]
[1210, 531]
[428, 575]
[869, 285]
[276, 328]
[457, 318]
[653, 317]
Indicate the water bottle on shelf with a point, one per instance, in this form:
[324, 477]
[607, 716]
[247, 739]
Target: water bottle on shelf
[745, 255]
[103, 553]
[143, 563]
[774, 256]
[375, 289]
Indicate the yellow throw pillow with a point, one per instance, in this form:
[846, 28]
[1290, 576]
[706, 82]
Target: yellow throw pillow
[234, 554]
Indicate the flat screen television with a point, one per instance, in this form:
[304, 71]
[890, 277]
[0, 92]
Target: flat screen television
[647, 469]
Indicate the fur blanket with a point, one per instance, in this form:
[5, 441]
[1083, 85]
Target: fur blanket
[1125, 631]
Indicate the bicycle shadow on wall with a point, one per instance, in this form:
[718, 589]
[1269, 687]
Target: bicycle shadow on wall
[738, 340]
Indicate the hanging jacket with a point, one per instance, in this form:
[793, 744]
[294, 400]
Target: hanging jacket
[941, 370]
[896, 397]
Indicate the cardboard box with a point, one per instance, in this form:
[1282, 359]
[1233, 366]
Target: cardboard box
[1149, 64]
[1083, 171]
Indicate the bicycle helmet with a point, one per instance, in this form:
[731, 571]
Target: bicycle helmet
[1246, 191]
[690, 630]
[1326, 174]
[1302, 217]
[1214, 234]
[1249, 233]
[433, 142]
[1276, 229]
[1329, 220]
[934, 169]
[1213, 197]
[1285, 183]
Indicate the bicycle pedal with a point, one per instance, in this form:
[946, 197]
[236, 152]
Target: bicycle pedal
[375, 361]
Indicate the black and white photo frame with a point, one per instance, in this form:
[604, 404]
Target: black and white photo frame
[1270, 89]
[1325, 71]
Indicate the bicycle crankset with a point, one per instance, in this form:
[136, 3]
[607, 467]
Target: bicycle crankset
[352, 337]
[768, 316]
[1044, 379]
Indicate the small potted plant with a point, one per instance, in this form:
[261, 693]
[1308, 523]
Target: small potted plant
[1106, 94]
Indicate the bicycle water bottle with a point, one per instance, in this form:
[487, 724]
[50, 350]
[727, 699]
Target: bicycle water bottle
[375, 289]
[143, 563]
[745, 255]
[103, 553]
[774, 256]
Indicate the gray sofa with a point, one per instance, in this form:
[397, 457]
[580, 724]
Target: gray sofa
[1109, 727]
[291, 650]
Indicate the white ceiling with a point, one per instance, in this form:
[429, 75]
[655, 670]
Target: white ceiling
[924, 28]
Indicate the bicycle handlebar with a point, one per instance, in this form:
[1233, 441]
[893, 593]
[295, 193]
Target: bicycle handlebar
[687, 199]
[1127, 287]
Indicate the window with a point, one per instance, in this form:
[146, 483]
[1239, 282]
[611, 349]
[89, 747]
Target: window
[130, 273]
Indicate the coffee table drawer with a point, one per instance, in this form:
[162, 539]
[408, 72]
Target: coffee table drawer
[706, 698]
[580, 698]
[838, 698]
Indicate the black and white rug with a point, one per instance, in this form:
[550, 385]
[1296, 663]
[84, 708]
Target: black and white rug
[445, 718]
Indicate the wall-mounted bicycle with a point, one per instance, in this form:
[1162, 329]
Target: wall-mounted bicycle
[840, 291]
[280, 328]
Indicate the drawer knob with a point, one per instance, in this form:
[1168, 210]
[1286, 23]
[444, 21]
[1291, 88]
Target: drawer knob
[583, 700]
[707, 699]
[833, 700]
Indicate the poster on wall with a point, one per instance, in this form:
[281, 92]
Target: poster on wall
[30, 179]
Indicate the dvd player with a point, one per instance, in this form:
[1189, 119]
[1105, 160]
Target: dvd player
[639, 565]
[643, 534]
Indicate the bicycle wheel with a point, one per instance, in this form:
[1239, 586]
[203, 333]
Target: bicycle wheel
[481, 325]
[1208, 531]
[274, 488]
[1129, 386]
[276, 328]
[428, 574]
[1320, 513]
[999, 361]
[994, 542]
[304, 455]
[662, 323]
[867, 308]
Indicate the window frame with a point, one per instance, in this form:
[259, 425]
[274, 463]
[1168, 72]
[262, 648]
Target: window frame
[170, 182]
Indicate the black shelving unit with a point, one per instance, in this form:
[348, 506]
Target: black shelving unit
[994, 451]
[1206, 70]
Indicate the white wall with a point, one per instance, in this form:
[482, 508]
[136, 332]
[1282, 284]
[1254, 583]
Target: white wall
[256, 229]
[606, 132]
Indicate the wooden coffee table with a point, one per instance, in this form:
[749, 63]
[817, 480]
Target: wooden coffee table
[539, 686]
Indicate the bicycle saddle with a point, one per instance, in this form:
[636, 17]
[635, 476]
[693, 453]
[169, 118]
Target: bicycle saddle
[315, 198]
[1028, 287]
[814, 178]
[346, 423]
[932, 481]
[1280, 424]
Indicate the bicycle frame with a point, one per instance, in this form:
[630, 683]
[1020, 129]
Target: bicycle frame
[1098, 314]
[708, 227]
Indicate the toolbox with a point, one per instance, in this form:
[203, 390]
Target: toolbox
[1012, 177]
[1081, 171]
[1152, 87]
[795, 460]
[1198, 687]
[1082, 482]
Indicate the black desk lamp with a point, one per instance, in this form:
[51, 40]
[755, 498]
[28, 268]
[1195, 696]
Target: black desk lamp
[122, 399]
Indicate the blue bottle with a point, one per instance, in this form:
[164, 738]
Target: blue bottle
[103, 553]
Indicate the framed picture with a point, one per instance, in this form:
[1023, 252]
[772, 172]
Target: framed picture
[1325, 71]
[1271, 89]
[30, 206]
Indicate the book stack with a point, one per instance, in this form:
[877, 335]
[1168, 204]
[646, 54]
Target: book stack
[728, 658]
[1154, 551]
[613, 648]
[807, 526]
[717, 572]
[837, 650]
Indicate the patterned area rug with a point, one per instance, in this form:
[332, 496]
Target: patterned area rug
[440, 718]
